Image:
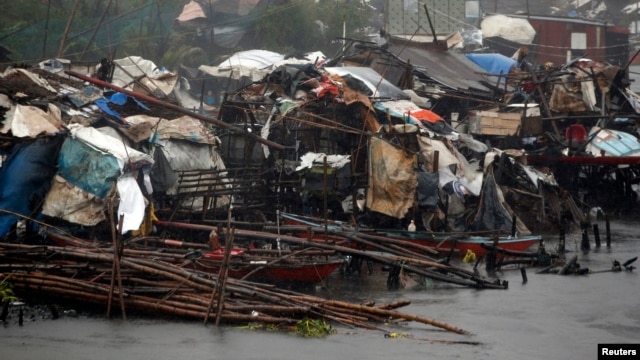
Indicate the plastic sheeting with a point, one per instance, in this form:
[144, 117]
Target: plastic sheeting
[89, 165]
[514, 29]
[408, 110]
[392, 179]
[428, 190]
[30, 121]
[132, 203]
[90, 170]
[68, 202]
[252, 59]
[465, 172]
[152, 128]
[493, 63]
[492, 215]
[117, 99]
[310, 159]
[368, 81]
[25, 178]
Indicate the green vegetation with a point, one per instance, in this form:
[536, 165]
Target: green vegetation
[313, 328]
[303, 25]
[6, 291]
[34, 30]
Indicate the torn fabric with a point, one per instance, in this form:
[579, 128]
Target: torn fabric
[392, 179]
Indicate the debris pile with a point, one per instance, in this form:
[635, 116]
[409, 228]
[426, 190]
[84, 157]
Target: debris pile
[153, 282]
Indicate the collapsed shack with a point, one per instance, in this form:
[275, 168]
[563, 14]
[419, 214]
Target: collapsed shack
[341, 142]
[400, 162]
[561, 115]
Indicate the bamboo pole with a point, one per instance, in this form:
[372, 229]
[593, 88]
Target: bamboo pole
[95, 31]
[113, 266]
[66, 29]
[470, 280]
[222, 279]
[116, 261]
[399, 315]
[188, 297]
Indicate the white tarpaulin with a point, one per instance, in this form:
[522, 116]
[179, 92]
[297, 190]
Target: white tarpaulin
[517, 30]
[30, 121]
[310, 159]
[377, 85]
[130, 69]
[132, 203]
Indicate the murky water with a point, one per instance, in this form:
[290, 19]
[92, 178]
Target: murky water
[548, 317]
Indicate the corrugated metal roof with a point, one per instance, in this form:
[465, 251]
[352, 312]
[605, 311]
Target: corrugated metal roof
[449, 68]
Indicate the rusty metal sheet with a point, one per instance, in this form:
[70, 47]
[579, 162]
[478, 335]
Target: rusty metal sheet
[448, 68]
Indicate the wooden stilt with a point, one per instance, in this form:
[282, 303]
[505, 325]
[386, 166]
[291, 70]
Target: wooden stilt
[608, 230]
[585, 245]
[596, 235]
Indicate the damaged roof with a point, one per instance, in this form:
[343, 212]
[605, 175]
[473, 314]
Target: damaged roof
[449, 68]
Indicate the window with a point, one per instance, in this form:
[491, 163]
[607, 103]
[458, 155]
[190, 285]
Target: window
[579, 41]
[411, 5]
[472, 9]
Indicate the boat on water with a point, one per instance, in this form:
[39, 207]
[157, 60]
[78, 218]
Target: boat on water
[458, 243]
[298, 269]
[303, 267]
[463, 243]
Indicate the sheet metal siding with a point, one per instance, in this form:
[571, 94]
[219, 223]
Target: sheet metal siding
[446, 17]
[554, 39]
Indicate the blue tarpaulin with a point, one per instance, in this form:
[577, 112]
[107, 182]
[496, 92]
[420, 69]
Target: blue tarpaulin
[117, 99]
[493, 63]
[25, 178]
[87, 168]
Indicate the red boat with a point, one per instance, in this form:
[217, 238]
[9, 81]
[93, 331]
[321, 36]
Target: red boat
[300, 267]
[461, 243]
[278, 269]
[464, 243]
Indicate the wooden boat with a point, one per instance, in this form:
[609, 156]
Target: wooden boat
[298, 269]
[303, 267]
[460, 243]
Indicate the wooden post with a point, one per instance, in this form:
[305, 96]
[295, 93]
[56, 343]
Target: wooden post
[513, 225]
[46, 31]
[115, 268]
[596, 235]
[523, 271]
[544, 102]
[561, 240]
[324, 199]
[66, 30]
[436, 160]
[118, 268]
[492, 256]
[585, 237]
[222, 279]
[608, 230]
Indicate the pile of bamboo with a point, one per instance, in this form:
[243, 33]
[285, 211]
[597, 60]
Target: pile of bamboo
[153, 282]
